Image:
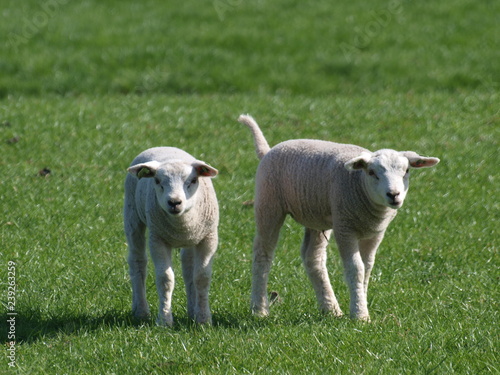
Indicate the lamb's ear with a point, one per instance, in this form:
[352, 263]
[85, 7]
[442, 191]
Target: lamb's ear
[204, 170]
[417, 161]
[359, 162]
[144, 169]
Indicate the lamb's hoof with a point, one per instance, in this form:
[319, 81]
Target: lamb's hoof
[165, 321]
[362, 318]
[141, 315]
[334, 313]
[260, 313]
[332, 310]
[204, 320]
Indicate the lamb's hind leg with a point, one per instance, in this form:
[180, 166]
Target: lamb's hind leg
[314, 257]
[266, 238]
[137, 260]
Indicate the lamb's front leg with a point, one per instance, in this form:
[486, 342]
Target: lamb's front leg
[162, 259]
[187, 260]
[368, 249]
[313, 253]
[202, 275]
[354, 269]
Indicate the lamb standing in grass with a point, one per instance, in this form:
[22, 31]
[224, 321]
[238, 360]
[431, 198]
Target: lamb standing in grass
[167, 191]
[324, 186]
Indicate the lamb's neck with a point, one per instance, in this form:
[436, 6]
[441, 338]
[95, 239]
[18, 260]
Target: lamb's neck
[183, 222]
[176, 231]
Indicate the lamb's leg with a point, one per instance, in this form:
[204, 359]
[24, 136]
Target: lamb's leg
[368, 249]
[137, 260]
[202, 274]
[187, 260]
[268, 229]
[314, 258]
[162, 259]
[354, 269]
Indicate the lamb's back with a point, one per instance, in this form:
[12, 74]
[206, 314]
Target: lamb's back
[306, 176]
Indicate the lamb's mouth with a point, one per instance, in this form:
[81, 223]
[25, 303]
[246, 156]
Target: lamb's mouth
[174, 211]
[395, 204]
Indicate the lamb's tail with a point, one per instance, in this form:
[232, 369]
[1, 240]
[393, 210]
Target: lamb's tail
[261, 145]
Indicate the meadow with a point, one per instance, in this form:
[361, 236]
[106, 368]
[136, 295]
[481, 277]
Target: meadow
[85, 86]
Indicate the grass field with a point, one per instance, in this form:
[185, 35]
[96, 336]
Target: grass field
[85, 86]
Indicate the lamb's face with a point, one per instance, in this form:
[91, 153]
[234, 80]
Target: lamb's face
[387, 179]
[175, 186]
[386, 174]
[175, 183]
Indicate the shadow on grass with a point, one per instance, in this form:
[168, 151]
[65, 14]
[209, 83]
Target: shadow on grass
[33, 325]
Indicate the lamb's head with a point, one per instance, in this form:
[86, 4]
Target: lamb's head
[386, 174]
[175, 182]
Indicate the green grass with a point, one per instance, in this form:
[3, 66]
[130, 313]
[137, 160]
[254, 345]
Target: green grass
[96, 83]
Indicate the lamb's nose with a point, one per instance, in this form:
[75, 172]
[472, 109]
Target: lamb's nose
[174, 203]
[392, 195]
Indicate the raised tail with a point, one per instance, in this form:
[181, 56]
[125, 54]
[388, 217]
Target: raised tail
[261, 145]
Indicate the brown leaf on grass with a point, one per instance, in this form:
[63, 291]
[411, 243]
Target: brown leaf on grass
[274, 298]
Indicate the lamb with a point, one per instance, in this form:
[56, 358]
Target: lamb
[170, 192]
[326, 186]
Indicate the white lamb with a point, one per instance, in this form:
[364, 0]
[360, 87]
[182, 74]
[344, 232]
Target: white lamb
[324, 186]
[167, 192]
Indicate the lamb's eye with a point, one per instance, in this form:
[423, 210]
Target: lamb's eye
[194, 181]
[157, 181]
[372, 173]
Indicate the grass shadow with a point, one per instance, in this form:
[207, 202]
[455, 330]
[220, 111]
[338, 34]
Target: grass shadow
[32, 325]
